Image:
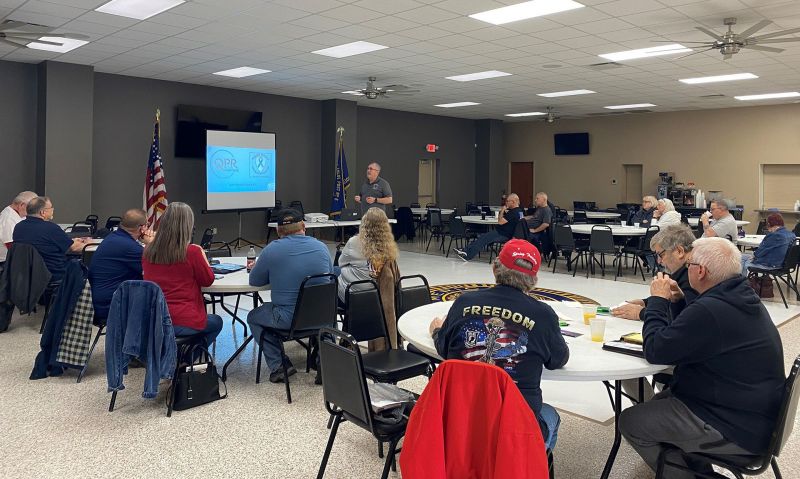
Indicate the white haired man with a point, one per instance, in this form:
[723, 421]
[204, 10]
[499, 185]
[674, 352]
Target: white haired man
[478, 319]
[727, 385]
[9, 217]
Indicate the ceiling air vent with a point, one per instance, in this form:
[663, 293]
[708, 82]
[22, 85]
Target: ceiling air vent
[713, 97]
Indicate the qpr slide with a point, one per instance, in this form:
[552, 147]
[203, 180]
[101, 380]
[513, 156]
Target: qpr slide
[240, 170]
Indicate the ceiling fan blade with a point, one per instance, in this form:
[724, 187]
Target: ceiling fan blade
[775, 34]
[694, 53]
[758, 26]
[10, 25]
[677, 41]
[395, 87]
[727, 57]
[402, 92]
[12, 43]
[764, 49]
[774, 40]
[710, 33]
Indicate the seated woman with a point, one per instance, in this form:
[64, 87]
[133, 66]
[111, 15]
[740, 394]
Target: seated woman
[772, 250]
[372, 254]
[644, 216]
[181, 269]
[665, 214]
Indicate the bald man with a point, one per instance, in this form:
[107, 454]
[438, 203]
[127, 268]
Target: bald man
[118, 259]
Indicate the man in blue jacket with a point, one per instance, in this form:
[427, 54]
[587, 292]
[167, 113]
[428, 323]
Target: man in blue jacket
[773, 248]
[728, 381]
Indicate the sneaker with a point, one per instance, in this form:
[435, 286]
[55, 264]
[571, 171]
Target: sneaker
[461, 254]
[277, 375]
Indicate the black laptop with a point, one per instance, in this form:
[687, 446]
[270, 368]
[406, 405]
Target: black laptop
[349, 214]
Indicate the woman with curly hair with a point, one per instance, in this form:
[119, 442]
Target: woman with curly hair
[372, 254]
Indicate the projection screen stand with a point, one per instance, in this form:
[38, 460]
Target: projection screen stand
[239, 241]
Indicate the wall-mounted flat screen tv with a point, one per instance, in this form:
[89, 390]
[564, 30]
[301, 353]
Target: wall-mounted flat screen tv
[571, 143]
[194, 121]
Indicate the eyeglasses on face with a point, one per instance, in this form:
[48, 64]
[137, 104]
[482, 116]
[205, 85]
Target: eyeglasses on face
[373, 169]
[661, 253]
[689, 263]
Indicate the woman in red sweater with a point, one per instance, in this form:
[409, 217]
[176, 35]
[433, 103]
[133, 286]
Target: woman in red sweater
[181, 269]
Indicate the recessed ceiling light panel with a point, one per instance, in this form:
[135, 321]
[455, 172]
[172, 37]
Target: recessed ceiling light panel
[350, 49]
[525, 10]
[241, 72]
[66, 44]
[768, 96]
[479, 76]
[718, 78]
[530, 113]
[138, 9]
[628, 107]
[456, 105]
[670, 49]
[565, 93]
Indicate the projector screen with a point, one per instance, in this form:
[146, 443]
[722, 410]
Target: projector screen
[240, 170]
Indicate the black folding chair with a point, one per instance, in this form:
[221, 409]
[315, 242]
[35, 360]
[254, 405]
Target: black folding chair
[315, 308]
[783, 273]
[211, 247]
[435, 227]
[746, 465]
[457, 231]
[298, 205]
[602, 241]
[113, 222]
[410, 297]
[87, 253]
[344, 388]
[564, 243]
[642, 251]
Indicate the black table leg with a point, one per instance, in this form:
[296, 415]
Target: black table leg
[235, 355]
[612, 455]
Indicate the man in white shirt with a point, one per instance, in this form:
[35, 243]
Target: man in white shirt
[9, 217]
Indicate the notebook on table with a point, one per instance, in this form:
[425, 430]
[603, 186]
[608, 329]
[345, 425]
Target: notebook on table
[623, 347]
[225, 268]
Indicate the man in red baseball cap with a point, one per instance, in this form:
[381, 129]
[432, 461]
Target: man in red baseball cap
[506, 327]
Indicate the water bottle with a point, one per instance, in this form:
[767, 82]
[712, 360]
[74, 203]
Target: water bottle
[251, 258]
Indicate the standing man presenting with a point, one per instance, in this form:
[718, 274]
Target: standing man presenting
[375, 192]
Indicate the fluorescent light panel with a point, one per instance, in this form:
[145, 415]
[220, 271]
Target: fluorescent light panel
[628, 107]
[241, 72]
[67, 44]
[456, 105]
[525, 10]
[530, 113]
[478, 76]
[138, 9]
[565, 93]
[646, 52]
[350, 49]
[768, 96]
[718, 78]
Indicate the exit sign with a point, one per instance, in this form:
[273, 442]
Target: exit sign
[431, 148]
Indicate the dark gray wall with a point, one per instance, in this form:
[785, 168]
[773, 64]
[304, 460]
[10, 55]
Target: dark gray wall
[124, 114]
[491, 170]
[397, 140]
[18, 112]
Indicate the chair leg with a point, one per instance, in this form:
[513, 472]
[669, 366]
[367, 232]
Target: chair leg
[778, 287]
[285, 375]
[91, 350]
[113, 401]
[337, 419]
[260, 353]
[775, 468]
[380, 448]
[389, 458]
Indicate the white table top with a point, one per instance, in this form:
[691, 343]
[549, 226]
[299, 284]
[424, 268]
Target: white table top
[752, 241]
[476, 219]
[597, 214]
[329, 223]
[587, 359]
[424, 211]
[236, 282]
[694, 221]
[616, 230]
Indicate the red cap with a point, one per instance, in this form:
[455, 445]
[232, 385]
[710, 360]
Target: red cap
[517, 249]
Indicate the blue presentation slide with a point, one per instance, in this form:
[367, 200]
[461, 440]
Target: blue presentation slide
[240, 170]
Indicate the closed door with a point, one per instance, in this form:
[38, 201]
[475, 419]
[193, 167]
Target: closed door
[521, 182]
[427, 182]
[633, 183]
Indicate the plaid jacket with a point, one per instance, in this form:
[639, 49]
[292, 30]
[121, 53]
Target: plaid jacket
[74, 347]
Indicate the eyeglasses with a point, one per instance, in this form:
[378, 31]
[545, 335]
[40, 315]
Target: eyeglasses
[373, 169]
[661, 253]
[689, 263]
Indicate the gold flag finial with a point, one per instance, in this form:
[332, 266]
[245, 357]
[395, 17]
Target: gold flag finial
[158, 114]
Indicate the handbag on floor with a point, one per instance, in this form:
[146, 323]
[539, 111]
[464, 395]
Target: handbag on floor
[762, 286]
[196, 384]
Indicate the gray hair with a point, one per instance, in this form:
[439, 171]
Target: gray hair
[720, 257]
[377, 165]
[725, 204]
[513, 196]
[668, 206]
[24, 197]
[650, 199]
[174, 234]
[37, 204]
[673, 236]
[542, 194]
[513, 278]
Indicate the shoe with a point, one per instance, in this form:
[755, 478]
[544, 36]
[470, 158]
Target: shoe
[318, 379]
[277, 375]
[461, 254]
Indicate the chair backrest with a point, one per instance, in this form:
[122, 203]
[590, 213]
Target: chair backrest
[92, 220]
[431, 205]
[208, 237]
[762, 227]
[602, 239]
[81, 228]
[457, 227]
[792, 258]
[579, 216]
[787, 412]
[521, 230]
[410, 297]
[316, 303]
[434, 217]
[562, 237]
[298, 205]
[87, 253]
[344, 385]
[651, 231]
[796, 229]
[113, 222]
[364, 317]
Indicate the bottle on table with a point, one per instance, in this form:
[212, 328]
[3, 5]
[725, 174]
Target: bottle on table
[251, 258]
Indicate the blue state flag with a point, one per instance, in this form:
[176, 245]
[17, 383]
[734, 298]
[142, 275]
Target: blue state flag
[339, 201]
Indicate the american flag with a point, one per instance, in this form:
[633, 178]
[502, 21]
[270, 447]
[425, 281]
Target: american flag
[155, 189]
[506, 344]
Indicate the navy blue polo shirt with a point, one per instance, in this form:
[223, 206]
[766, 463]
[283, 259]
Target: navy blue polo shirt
[117, 259]
[49, 240]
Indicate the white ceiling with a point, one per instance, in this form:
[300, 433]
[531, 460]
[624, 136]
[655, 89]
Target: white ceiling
[428, 40]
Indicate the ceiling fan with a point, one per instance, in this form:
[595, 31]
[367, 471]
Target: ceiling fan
[730, 43]
[551, 115]
[371, 92]
[20, 34]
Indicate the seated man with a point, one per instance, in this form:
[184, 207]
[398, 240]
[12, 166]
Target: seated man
[509, 216]
[479, 320]
[118, 259]
[728, 382]
[48, 238]
[540, 221]
[9, 217]
[772, 250]
[718, 221]
[284, 263]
